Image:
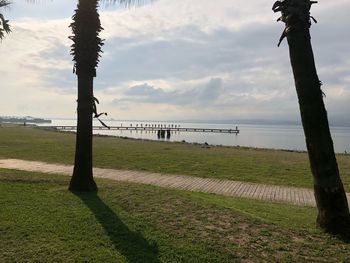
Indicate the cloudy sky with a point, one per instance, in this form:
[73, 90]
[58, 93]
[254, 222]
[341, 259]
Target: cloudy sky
[173, 60]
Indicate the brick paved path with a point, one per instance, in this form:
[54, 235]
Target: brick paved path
[273, 193]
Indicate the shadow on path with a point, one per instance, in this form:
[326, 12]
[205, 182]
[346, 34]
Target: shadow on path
[132, 245]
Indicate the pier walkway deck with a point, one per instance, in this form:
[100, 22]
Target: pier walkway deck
[149, 128]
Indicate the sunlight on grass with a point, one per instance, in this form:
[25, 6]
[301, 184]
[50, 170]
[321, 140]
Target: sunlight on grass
[244, 164]
[40, 221]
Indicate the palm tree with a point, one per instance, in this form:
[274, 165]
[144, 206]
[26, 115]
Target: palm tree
[86, 50]
[4, 26]
[333, 211]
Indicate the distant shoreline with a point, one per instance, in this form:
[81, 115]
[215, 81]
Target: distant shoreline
[289, 138]
[23, 120]
[203, 145]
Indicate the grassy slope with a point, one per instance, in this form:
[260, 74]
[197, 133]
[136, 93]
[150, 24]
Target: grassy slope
[254, 165]
[40, 221]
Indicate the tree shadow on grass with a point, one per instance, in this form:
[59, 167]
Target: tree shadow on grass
[132, 245]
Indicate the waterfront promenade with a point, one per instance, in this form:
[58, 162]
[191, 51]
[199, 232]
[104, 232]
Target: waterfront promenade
[272, 193]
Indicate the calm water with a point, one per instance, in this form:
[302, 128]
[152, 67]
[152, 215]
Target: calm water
[261, 136]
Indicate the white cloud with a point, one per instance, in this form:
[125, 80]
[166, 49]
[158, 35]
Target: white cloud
[168, 59]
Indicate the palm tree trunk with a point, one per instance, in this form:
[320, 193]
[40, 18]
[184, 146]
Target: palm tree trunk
[333, 211]
[82, 179]
[85, 50]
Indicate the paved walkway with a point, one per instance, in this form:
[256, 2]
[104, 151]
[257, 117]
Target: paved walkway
[281, 194]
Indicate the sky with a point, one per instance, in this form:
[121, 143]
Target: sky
[173, 60]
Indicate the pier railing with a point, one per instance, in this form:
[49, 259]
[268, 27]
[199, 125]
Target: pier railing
[150, 128]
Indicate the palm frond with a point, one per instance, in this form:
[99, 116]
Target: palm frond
[4, 25]
[4, 3]
[294, 13]
[87, 45]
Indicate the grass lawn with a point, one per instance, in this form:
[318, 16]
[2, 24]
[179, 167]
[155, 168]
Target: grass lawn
[40, 221]
[245, 164]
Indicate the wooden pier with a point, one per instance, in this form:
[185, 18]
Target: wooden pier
[155, 128]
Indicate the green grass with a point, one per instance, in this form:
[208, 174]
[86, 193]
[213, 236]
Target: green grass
[40, 221]
[245, 164]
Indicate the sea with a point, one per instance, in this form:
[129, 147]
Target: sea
[286, 137]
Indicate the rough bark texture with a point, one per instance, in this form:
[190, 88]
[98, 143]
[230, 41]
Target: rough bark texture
[85, 50]
[333, 212]
[82, 179]
[330, 196]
